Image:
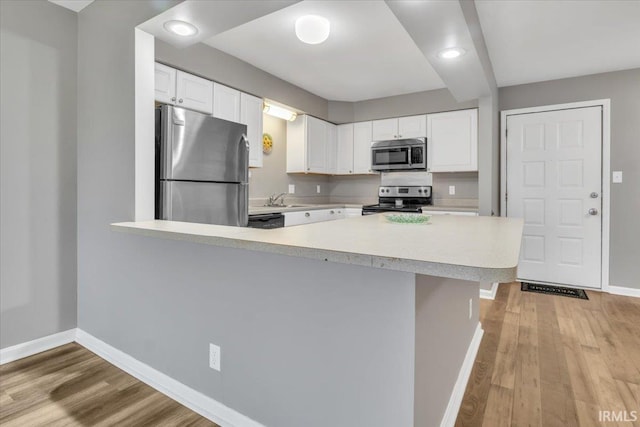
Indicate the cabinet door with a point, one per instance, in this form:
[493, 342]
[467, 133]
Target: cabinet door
[452, 141]
[412, 126]
[251, 115]
[362, 147]
[331, 146]
[383, 130]
[194, 92]
[165, 84]
[226, 103]
[297, 145]
[344, 154]
[316, 145]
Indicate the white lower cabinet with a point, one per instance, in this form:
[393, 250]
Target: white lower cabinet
[352, 212]
[314, 215]
[463, 213]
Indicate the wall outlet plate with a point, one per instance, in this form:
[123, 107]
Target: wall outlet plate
[470, 307]
[318, 188]
[617, 177]
[214, 357]
[292, 188]
[452, 190]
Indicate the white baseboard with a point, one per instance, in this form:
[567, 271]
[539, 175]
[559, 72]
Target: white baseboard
[192, 399]
[451, 413]
[489, 293]
[628, 292]
[36, 346]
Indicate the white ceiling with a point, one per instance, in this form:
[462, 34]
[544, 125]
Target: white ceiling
[368, 54]
[75, 5]
[533, 40]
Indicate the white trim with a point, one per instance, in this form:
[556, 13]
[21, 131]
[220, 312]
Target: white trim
[489, 293]
[606, 168]
[619, 290]
[451, 413]
[192, 399]
[36, 346]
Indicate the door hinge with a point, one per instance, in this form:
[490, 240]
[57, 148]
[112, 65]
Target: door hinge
[506, 133]
[506, 196]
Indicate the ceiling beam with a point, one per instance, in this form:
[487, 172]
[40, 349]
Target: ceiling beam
[435, 25]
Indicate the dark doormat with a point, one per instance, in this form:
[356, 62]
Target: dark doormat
[553, 290]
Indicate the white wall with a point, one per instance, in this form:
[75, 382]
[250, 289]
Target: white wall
[38, 170]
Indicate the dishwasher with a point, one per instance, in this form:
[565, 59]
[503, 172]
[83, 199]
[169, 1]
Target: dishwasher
[266, 220]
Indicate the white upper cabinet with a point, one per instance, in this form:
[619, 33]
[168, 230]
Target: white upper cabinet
[383, 130]
[251, 115]
[182, 89]
[331, 148]
[165, 83]
[226, 103]
[452, 141]
[307, 139]
[412, 126]
[399, 128]
[362, 147]
[193, 92]
[344, 150]
[316, 145]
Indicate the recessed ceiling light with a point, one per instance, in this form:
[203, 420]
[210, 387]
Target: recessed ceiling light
[180, 28]
[312, 29]
[451, 53]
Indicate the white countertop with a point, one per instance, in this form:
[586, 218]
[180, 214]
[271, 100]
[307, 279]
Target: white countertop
[469, 248]
[306, 207]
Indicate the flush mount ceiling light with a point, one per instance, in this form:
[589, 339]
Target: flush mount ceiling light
[312, 29]
[451, 53]
[279, 112]
[180, 28]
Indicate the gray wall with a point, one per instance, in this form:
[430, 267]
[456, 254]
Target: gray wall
[623, 88]
[431, 101]
[38, 170]
[213, 64]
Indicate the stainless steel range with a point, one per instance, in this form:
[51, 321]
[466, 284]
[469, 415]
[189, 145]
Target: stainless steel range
[408, 198]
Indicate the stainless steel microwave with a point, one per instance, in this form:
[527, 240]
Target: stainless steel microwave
[399, 155]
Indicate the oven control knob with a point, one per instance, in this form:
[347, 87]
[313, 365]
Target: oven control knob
[419, 191]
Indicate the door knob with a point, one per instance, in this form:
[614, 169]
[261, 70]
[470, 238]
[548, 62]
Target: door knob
[180, 100]
[594, 195]
[593, 211]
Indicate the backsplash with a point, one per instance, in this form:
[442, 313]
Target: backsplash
[272, 178]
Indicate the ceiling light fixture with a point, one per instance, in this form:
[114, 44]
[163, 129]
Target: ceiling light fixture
[451, 53]
[312, 29]
[279, 112]
[181, 28]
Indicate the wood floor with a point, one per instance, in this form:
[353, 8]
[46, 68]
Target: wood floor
[70, 386]
[544, 361]
[555, 361]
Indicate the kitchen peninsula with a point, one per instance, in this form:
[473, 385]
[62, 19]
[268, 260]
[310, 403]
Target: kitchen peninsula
[359, 321]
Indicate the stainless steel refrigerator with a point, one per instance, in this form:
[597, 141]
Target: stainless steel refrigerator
[202, 168]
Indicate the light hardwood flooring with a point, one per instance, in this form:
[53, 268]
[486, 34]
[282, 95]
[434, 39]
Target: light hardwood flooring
[554, 361]
[70, 386]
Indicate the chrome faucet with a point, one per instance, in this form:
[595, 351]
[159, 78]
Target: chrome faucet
[273, 199]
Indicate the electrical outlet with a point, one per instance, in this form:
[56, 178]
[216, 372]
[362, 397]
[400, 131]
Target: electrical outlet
[452, 190]
[214, 357]
[318, 189]
[292, 188]
[617, 177]
[470, 307]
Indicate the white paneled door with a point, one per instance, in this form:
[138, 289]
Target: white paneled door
[554, 182]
